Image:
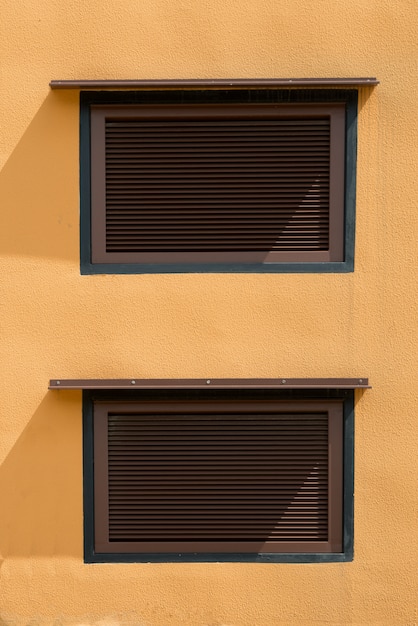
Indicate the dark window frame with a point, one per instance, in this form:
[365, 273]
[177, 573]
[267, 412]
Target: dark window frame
[300, 97]
[345, 397]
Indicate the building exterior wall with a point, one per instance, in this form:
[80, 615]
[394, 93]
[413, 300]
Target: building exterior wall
[56, 323]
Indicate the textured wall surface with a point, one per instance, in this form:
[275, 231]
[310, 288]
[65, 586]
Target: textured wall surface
[56, 323]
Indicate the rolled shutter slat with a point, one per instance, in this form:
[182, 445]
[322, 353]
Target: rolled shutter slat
[224, 171]
[242, 478]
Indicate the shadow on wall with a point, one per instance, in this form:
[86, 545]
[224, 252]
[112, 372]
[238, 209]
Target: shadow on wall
[39, 192]
[39, 184]
[41, 484]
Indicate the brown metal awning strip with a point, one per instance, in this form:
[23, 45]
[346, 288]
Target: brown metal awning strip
[215, 383]
[255, 83]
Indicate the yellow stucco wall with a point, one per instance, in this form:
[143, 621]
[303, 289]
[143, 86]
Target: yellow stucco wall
[56, 323]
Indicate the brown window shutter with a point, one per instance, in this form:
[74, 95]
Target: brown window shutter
[212, 478]
[218, 183]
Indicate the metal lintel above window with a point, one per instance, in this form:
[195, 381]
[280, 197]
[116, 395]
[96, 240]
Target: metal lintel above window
[248, 83]
[215, 383]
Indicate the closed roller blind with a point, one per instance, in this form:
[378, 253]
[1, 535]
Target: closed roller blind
[249, 479]
[211, 187]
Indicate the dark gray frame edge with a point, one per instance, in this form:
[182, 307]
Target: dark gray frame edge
[349, 96]
[348, 493]
[88, 475]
